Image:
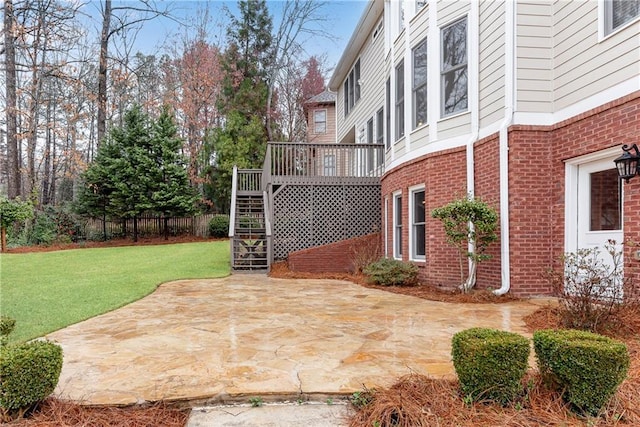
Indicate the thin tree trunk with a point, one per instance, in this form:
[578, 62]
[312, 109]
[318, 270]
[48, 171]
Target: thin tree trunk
[3, 239]
[102, 72]
[13, 158]
[166, 228]
[135, 228]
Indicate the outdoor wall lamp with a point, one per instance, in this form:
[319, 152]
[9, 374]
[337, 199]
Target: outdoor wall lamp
[628, 164]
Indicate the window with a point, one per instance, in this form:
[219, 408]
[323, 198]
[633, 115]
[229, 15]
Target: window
[454, 68]
[620, 12]
[320, 121]
[420, 84]
[370, 152]
[420, 4]
[400, 100]
[397, 226]
[606, 206]
[378, 29]
[380, 126]
[418, 241]
[352, 88]
[329, 165]
[388, 109]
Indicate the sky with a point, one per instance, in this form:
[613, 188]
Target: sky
[342, 18]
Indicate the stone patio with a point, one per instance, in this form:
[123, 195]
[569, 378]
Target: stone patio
[225, 340]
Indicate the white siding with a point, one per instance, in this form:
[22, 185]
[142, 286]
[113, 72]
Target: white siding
[584, 65]
[372, 76]
[492, 62]
[534, 51]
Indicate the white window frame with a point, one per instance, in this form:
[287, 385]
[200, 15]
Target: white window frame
[329, 165]
[400, 128]
[414, 256]
[397, 225]
[316, 122]
[351, 88]
[606, 18]
[420, 86]
[455, 68]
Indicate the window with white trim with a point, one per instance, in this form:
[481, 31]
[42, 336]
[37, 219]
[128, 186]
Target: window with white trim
[397, 225]
[618, 13]
[380, 126]
[388, 110]
[420, 84]
[454, 82]
[320, 121]
[351, 88]
[400, 100]
[329, 165]
[417, 220]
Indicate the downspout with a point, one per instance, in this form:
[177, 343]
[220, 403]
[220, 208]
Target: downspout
[474, 92]
[510, 89]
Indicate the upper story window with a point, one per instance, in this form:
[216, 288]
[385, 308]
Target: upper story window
[387, 107]
[620, 12]
[400, 100]
[352, 88]
[454, 85]
[320, 121]
[380, 126]
[379, 29]
[420, 4]
[420, 84]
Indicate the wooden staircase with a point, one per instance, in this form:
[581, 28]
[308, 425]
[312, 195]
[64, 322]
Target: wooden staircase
[250, 227]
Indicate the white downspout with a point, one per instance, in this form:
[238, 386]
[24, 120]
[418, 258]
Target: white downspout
[474, 107]
[510, 89]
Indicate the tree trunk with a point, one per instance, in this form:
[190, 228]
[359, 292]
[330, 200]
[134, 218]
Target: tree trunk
[135, 228]
[102, 72]
[13, 158]
[3, 239]
[166, 228]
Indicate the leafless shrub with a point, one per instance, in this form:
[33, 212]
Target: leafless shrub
[593, 289]
[365, 251]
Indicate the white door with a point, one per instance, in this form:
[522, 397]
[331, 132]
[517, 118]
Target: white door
[599, 204]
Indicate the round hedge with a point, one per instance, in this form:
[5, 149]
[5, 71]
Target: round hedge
[219, 226]
[587, 366]
[490, 364]
[29, 372]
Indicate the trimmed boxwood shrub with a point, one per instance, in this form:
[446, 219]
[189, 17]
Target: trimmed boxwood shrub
[588, 367]
[391, 272]
[29, 372]
[219, 226]
[490, 364]
[6, 325]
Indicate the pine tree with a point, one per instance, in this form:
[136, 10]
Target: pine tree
[172, 194]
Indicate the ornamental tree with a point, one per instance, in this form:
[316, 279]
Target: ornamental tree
[470, 225]
[12, 211]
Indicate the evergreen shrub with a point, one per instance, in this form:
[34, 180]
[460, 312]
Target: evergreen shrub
[587, 367]
[392, 272]
[219, 226]
[29, 372]
[490, 364]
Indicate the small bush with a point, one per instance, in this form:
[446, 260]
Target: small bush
[391, 272]
[219, 226]
[29, 372]
[6, 325]
[587, 367]
[490, 364]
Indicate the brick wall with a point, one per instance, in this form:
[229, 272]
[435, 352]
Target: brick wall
[335, 257]
[537, 157]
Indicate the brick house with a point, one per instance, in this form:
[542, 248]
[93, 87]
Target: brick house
[524, 104]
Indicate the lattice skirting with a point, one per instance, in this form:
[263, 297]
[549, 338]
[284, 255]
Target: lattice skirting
[307, 216]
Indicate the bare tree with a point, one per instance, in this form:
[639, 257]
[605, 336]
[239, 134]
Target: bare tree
[115, 20]
[13, 159]
[301, 20]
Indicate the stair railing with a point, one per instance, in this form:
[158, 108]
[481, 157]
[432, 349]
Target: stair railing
[232, 214]
[267, 227]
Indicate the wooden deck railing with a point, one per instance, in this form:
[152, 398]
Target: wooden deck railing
[305, 162]
[249, 181]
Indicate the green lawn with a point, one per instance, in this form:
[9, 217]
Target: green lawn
[46, 291]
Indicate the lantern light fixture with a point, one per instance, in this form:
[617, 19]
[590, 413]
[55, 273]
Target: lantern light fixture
[628, 164]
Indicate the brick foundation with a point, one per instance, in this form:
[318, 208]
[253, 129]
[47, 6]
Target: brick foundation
[537, 157]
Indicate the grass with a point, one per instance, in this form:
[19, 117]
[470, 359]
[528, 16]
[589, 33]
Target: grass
[46, 291]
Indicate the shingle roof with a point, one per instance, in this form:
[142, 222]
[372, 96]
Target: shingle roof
[322, 98]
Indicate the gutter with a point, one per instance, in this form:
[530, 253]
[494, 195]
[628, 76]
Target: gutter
[510, 89]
